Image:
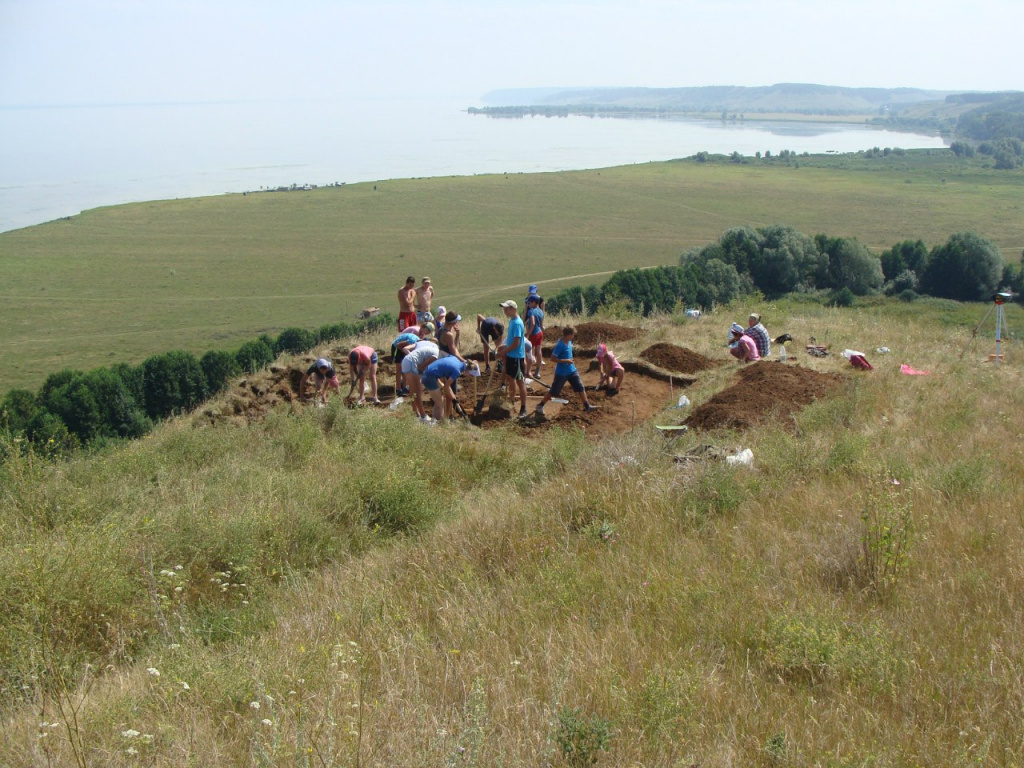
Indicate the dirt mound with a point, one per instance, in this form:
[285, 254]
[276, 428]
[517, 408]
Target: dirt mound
[589, 335]
[765, 390]
[673, 358]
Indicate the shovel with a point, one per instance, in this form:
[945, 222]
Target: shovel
[480, 400]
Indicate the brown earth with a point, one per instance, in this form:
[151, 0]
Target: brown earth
[673, 358]
[766, 389]
[591, 334]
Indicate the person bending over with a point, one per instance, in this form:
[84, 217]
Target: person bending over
[488, 329]
[612, 372]
[325, 378]
[362, 363]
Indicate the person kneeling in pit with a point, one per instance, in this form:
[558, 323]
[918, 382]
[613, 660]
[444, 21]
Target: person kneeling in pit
[439, 377]
[565, 371]
[612, 372]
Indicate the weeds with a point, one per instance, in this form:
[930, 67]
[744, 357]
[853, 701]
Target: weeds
[582, 736]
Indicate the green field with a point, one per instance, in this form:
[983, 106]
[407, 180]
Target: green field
[122, 283]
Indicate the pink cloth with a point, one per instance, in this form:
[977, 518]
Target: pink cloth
[907, 370]
[745, 349]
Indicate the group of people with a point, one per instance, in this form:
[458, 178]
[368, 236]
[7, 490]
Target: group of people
[429, 361]
[428, 358]
[751, 343]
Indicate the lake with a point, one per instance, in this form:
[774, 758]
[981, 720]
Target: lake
[58, 161]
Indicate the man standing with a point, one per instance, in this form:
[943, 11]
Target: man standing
[424, 295]
[513, 351]
[535, 333]
[406, 311]
[759, 334]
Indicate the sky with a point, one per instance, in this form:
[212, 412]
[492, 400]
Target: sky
[63, 52]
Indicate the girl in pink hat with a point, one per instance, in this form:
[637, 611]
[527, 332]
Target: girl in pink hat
[612, 372]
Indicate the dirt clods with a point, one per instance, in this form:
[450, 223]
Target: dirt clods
[765, 390]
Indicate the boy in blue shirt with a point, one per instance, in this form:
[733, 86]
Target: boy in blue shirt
[439, 377]
[565, 371]
[514, 352]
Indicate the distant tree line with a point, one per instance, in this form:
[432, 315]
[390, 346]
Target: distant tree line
[74, 408]
[777, 260]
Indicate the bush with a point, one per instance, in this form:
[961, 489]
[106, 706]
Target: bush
[174, 382]
[967, 268]
[295, 341]
[219, 367]
[842, 298]
[254, 356]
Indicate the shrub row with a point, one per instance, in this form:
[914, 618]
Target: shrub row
[778, 260]
[73, 408]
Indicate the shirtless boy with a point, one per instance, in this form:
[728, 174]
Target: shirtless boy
[424, 295]
[406, 311]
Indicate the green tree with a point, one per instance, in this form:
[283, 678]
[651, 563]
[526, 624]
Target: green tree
[967, 268]
[295, 341]
[219, 367]
[909, 254]
[850, 265]
[174, 382]
[254, 356]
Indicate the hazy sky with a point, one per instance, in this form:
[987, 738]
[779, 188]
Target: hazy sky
[113, 51]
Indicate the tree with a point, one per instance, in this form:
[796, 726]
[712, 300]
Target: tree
[967, 268]
[254, 355]
[850, 265]
[721, 283]
[174, 382]
[294, 341]
[218, 368]
[788, 260]
[910, 254]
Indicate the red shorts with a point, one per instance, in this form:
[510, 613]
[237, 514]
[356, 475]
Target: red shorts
[406, 320]
[536, 339]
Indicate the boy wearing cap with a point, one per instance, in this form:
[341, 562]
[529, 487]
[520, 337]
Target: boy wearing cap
[324, 378]
[424, 296]
[362, 361]
[406, 311]
[513, 352]
[535, 333]
[565, 371]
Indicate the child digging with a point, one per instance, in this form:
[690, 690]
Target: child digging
[565, 371]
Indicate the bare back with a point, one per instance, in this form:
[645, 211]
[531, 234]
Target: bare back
[405, 299]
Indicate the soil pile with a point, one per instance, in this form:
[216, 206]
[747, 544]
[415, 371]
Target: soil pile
[673, 358]
[591, 334]
[765, 390]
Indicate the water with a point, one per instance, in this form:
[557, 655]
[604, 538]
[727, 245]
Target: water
[59, 161]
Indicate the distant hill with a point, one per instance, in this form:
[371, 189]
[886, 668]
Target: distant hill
[782, 97]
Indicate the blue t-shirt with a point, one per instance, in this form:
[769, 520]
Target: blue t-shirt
[563, 349]
[516, 330]
[412, 338]
[445, 368]
[538, 318]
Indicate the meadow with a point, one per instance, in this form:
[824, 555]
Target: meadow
[348, 588]
[120, 284]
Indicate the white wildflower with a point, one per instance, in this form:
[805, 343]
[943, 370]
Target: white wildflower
[185, 686]
[254, 704]
[132, 751]
[131, 733]
[267, 722]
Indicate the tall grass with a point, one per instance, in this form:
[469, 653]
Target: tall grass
[852, 599]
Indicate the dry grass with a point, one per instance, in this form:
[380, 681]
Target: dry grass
[701, 615]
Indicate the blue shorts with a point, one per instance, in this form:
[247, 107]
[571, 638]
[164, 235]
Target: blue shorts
[559, 381]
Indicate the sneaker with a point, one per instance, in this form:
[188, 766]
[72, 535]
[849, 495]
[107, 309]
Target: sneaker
[523, 414]
[588, 408]
[540, 410]
[376, 401]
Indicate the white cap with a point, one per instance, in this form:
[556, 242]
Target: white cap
[509, 303]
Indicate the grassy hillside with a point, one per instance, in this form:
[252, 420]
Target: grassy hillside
[335, 587]
[119, 284]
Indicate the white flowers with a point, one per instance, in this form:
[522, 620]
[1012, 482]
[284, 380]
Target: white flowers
[154, 671]
[267, 722]
[254, 705]
[131, 733]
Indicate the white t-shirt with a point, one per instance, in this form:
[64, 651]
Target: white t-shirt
[423, 351]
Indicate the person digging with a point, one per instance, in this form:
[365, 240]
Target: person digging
[565, 371]
[324, 377]
[362, 363]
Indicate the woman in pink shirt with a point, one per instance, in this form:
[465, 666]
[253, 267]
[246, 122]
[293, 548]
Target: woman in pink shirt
[362, 362]
[742, 347]
[612, 372]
